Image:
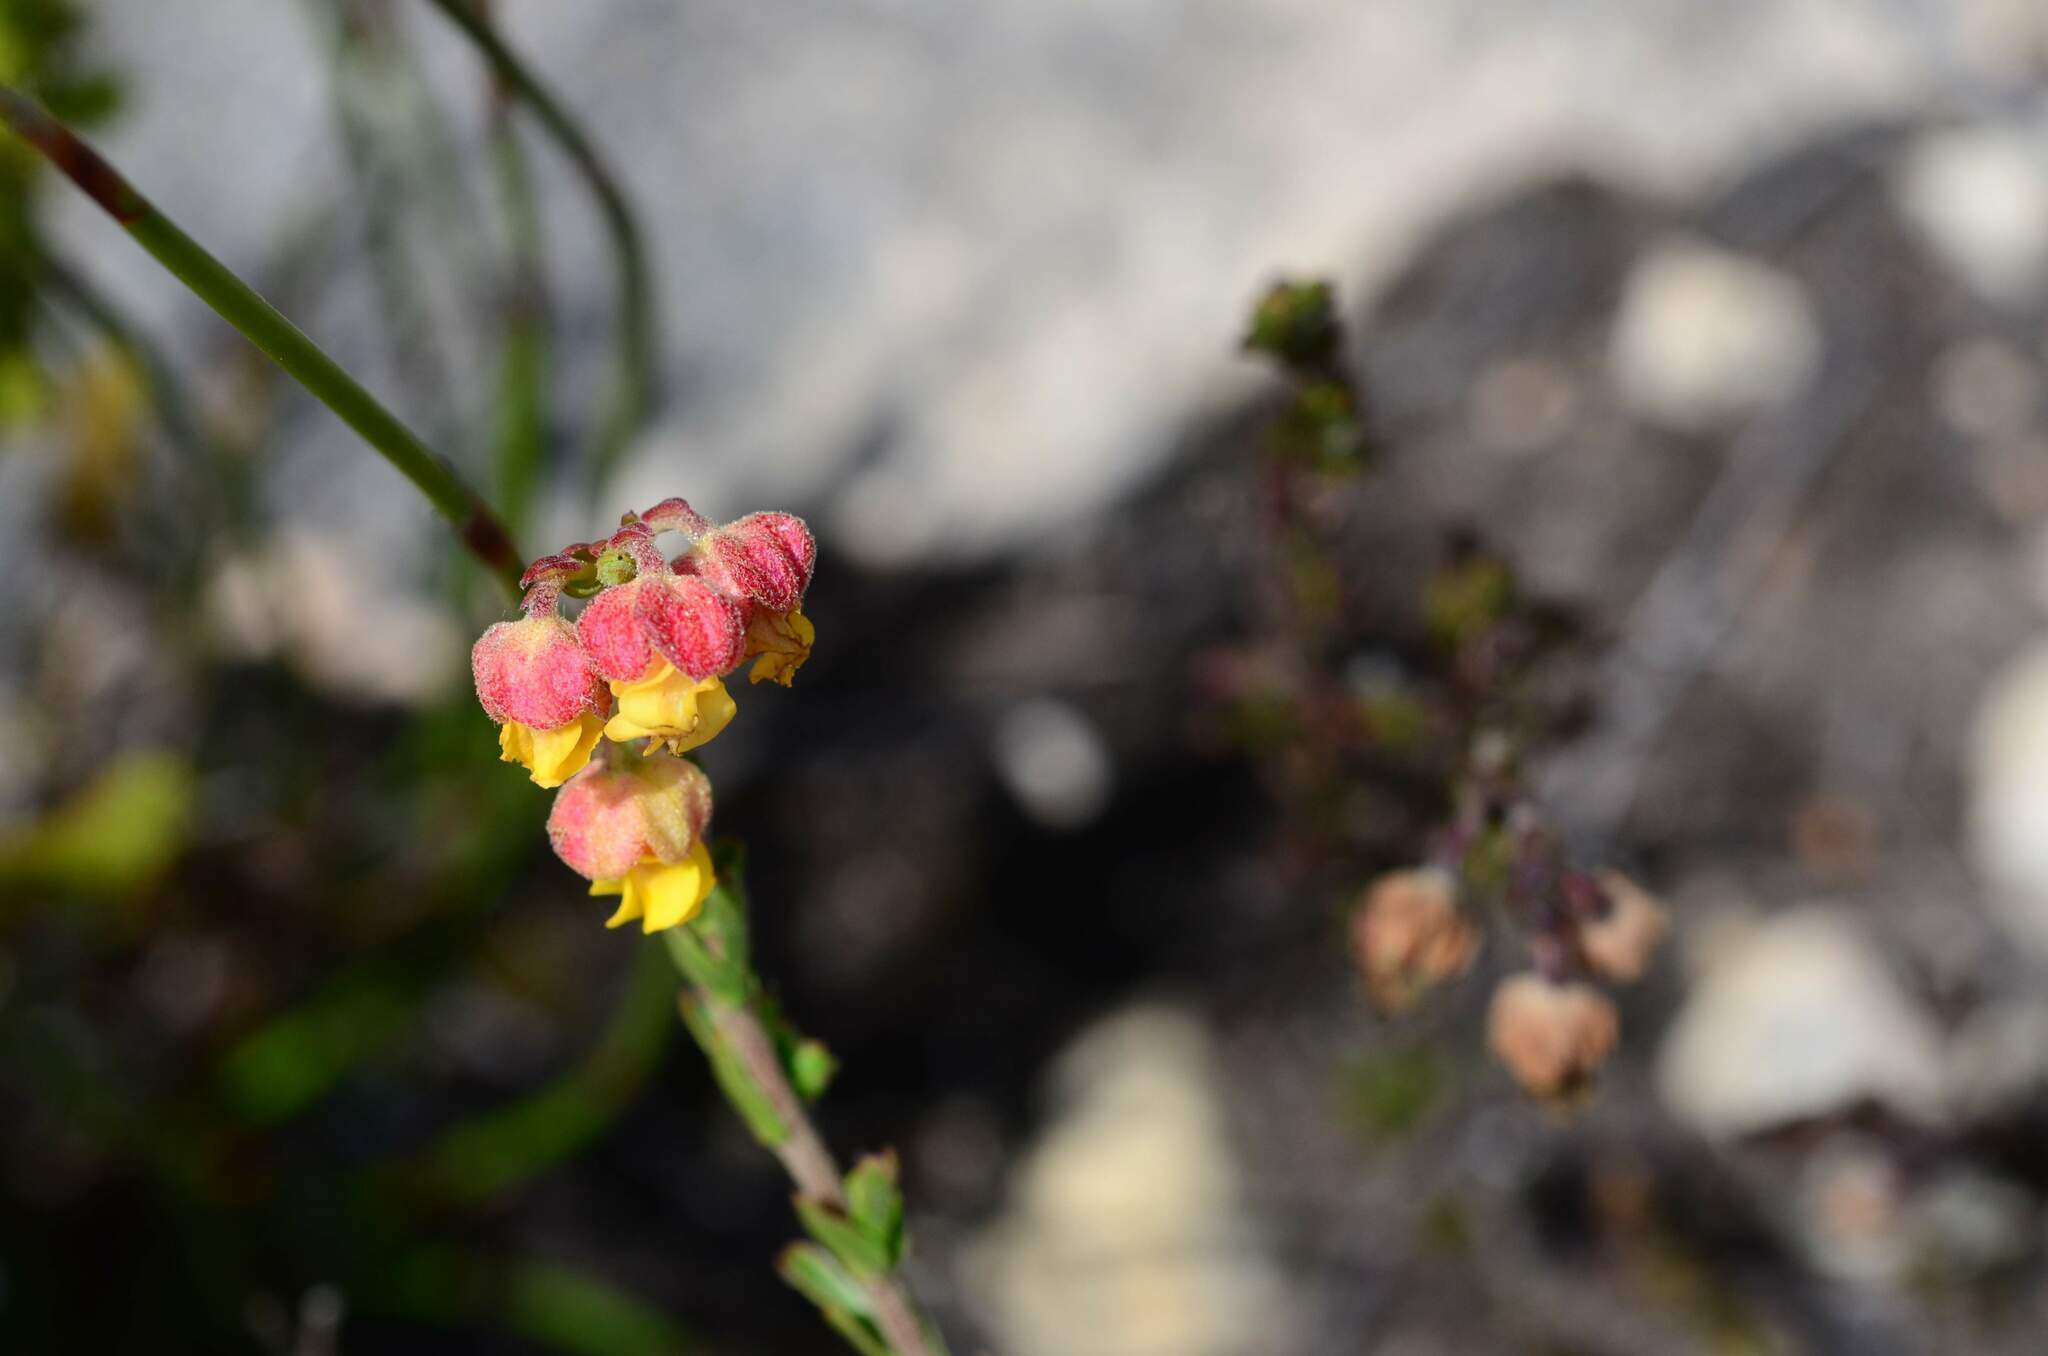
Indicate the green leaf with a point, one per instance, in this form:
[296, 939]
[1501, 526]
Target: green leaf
[818, 1276]
[874, 1201]
[811, 1068]
[848, 1241]
[860, 1334]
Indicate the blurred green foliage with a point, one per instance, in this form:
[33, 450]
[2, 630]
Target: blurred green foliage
[40, 52]
[112, 840]
[1387, 1093]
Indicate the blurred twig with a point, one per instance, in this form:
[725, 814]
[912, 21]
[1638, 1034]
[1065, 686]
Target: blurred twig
[522, 398]
[238, 304]
[373, 96]
[637, 360]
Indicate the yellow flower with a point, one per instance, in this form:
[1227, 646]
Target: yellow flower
[661, 894]
[783, 642]
[552, 756]
[680, 711]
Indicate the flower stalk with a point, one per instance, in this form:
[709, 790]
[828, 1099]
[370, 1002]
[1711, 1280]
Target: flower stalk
[264, 326]
[850, 1269]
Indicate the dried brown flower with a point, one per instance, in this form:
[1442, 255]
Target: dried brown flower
[1620, 945]
[1552, 1037]
[1408, 934]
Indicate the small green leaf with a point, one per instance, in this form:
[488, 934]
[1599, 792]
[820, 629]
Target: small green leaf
[817, 1275]
[819, 1278]
[859, 1333]
[848, 1242]
[811, 1068]
[875, 1202]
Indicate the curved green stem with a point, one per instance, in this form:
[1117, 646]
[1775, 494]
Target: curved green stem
[633, 381]
[261, 323]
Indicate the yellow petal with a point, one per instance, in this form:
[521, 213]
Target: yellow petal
[663, 894]
[782, 642]
[551, 756]
[629, 904]
[682, 712]
[676, 892]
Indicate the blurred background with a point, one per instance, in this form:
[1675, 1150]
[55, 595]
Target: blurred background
[1721, 326]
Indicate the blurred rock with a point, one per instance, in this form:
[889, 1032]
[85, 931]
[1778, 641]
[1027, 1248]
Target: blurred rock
[2008, 785]
[1523, 405]
[307, 597]
[1794, 1017]
[1998, 1059]
[1054, 762]
[963, 272]
[1986, 388]
[2004, 40]
[1127, 1234]
[1705, 335]
[1975, 1222]
[1980, 196]
[1850, 1211]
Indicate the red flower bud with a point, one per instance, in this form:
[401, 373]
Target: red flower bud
[534, 672]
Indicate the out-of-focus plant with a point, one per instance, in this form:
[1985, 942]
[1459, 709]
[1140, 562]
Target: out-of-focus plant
[39, 53]
[1460, 715]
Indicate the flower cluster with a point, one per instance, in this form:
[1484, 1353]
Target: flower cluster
[1551, 1026]
[644, 665]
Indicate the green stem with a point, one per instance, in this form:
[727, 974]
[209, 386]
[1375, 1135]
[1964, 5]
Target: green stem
[238, 304]
[633, 380]
[725, 1006]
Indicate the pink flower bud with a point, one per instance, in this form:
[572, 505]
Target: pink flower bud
[763, 561]
[795, 538]
[534, 672]
[613, 634]
[700, 632]
[605, 822]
